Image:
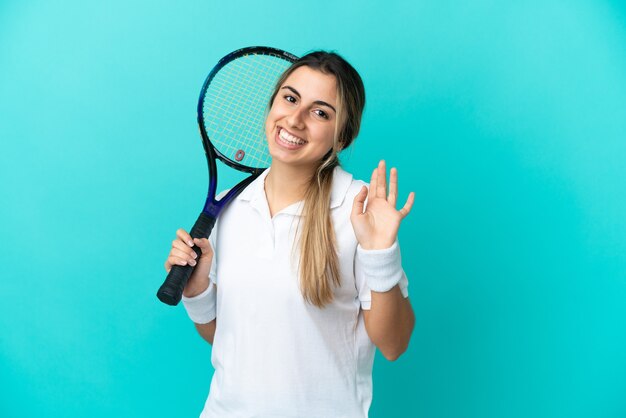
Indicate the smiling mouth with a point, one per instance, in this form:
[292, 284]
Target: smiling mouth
[289, 139]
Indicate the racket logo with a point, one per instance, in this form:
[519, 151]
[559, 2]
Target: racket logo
[239, 155]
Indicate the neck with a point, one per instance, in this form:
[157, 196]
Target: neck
[286, 185]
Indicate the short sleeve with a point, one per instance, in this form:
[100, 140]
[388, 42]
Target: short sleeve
[365, 263]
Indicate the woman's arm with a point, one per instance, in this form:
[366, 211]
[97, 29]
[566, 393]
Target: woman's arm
[389, 322]
[201, 310]
[199, 293]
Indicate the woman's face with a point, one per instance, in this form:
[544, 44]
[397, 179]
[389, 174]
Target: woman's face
[300, 127]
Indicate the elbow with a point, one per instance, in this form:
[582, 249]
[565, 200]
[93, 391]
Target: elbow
[393, 349]
[393, 353]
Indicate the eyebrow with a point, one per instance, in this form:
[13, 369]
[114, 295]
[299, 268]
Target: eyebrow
[318, 102]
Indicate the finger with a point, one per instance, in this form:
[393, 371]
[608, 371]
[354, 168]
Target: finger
[182, 247]
[359, 202]
[176, 261]
[204, 244]
[184, 236]
[381, 182]
[373, 183]
[184, 255]
[408, 205]
[393, 187]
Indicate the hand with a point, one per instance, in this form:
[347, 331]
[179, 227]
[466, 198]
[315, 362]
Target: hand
[182, 254]
[377, 226]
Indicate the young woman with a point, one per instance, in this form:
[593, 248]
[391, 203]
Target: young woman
[301, 279]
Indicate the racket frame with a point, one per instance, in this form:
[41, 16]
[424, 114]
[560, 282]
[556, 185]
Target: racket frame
[171, 290]
[212, 206]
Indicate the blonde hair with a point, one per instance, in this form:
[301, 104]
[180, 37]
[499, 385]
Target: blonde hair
[319, 264]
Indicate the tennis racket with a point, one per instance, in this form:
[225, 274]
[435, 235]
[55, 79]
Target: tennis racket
[231, 116]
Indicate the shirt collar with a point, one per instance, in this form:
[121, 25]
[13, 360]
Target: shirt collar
[255, 192]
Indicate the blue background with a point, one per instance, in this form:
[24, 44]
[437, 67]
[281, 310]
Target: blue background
[508, 120]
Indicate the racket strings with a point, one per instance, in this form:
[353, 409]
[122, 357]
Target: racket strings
[260, 80]
[234, 107]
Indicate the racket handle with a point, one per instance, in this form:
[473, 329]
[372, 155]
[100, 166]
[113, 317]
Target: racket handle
[171, 291]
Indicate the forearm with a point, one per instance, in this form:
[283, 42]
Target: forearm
[390, 322]
[201, 310]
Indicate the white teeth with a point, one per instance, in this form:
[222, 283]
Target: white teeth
[286, 136]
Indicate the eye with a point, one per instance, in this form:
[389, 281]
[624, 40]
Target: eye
[321, 113]
[290, 99]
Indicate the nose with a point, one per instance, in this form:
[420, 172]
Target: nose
[296, 119]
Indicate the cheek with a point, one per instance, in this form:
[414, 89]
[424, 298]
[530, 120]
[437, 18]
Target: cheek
[328, 136]
[270, 119]
[269, 132]
[273, 115]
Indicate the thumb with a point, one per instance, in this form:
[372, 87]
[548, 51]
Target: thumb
[204, 245]
[359, 202]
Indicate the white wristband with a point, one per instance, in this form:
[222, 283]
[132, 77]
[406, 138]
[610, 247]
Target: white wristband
[201, 308]
[382, 268]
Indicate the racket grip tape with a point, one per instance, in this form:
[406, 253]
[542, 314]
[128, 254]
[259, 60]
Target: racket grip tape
[171, 291]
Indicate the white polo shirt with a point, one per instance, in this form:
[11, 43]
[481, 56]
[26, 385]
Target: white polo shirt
[274, 354]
